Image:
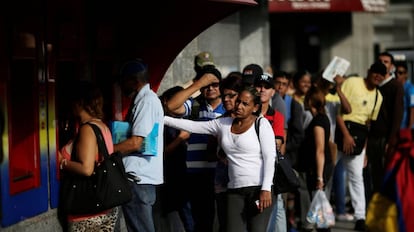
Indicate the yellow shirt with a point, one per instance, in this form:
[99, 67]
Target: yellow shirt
[361, 99]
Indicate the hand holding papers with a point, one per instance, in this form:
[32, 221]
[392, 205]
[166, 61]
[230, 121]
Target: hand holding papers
[122, 130]
[337, 66]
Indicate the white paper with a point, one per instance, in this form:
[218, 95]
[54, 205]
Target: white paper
[337, 66]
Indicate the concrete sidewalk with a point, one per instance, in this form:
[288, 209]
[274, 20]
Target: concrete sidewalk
[343, 226]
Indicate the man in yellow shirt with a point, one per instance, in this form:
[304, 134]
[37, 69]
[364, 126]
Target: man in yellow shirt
[365, 101]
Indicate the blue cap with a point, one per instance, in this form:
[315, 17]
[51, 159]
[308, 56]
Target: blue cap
[133, 67]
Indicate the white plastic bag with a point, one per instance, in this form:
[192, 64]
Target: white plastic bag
[320, 211]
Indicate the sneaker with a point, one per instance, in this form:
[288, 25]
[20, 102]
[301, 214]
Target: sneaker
[360, 225]
[345, 217]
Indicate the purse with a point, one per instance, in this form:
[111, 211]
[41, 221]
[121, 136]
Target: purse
[358, 131]
[106, 188]
[285, 178]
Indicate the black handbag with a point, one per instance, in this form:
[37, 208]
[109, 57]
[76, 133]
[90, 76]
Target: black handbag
[284, 178]
[106, 188]
[359, 133]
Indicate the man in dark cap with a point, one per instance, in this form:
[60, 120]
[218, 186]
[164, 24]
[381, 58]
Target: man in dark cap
[365, 101]
[143, 150]
[250, 73]
[384, 131]
[253, 72]
[202, 149]
[265, 85]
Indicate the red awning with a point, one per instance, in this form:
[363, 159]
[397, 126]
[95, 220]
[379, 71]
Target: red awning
[327, 5]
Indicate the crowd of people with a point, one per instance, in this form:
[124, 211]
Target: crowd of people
[216, 152]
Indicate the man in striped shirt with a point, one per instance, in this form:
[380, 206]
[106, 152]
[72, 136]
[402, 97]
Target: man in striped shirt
[202, 149]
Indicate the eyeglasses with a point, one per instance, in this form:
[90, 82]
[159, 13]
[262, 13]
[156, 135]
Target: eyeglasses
[214, 85]
[229, 95]
[281, 83]
[401, 72]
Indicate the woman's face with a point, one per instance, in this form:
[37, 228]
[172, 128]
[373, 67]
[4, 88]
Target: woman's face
[245, 105]
[304, 84]
[229, 97]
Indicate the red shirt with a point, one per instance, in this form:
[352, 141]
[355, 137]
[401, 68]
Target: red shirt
[277, 121]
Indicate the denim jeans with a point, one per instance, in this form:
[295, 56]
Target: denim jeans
[277, 220]
[339, 187]
[138, 212]
[186, 217]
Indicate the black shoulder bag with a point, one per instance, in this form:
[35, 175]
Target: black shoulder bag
[285, 178]
[106, 188]
[359, 133]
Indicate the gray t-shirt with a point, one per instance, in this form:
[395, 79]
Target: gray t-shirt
[279, 104]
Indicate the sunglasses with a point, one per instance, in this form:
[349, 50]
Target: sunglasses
[266, 86]
[214, 85]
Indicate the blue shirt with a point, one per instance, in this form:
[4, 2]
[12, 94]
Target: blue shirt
[147, 118]
[197, 157]
[408, 103]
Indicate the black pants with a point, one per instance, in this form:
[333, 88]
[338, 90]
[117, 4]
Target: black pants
[376, 167]
[242, 211]
[202, 200]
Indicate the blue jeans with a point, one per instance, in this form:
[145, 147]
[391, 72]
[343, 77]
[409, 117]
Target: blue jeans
[277, 220]
[339, 187]
[187, 217]
[138, 212]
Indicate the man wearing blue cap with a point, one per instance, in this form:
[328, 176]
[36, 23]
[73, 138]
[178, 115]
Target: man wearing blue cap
[143, 149]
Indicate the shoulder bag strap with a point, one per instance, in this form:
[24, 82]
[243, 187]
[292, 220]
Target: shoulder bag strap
[99, 138]
[373, 109]
[375, 103]
[257, 126]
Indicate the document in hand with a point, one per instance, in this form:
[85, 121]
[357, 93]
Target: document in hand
[120, 131]
[337, 66]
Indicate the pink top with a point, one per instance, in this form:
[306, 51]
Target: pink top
[106, 133]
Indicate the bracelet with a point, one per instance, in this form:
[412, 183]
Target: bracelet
[319, 179]
[63, 163]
